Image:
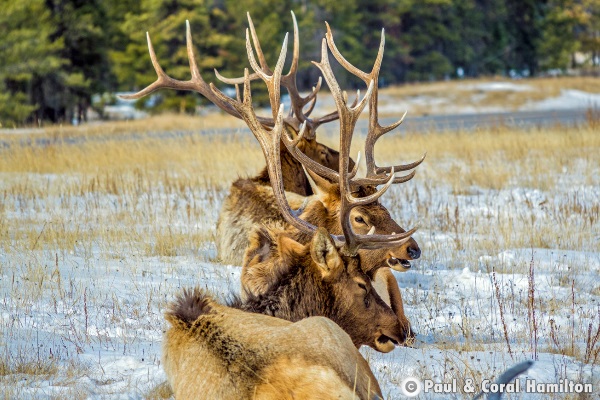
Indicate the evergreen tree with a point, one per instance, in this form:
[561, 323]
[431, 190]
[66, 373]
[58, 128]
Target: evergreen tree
[81, 25]
[165, 22]
[27, 57]
[524, 21]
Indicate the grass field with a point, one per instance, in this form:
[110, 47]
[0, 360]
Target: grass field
[100, 227]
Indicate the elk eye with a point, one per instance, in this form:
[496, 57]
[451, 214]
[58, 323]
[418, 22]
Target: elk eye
[362, 286]
[360, 220]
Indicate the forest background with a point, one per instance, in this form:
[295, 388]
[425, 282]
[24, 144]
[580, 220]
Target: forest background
[61, 58]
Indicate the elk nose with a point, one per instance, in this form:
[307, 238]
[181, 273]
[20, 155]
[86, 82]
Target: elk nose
[414, 252]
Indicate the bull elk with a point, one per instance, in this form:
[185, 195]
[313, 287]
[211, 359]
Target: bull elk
[214, 351]
[250, 201]
[367, 215]
[290, 280]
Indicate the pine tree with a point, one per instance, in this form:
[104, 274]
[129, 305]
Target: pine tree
[27, 57]
[165, 22]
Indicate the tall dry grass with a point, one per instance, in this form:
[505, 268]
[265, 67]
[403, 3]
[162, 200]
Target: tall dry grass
[178, 174]
[109, 199]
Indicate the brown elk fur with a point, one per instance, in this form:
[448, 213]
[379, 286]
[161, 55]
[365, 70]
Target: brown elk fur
[251, 203]
[260, 208]
[217, 352]
[294, 178]
[289, 280]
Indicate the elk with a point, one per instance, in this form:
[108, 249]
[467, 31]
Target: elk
[218, 352]
[316, 279]
[298, 126]
[291, 280]
[250, 201]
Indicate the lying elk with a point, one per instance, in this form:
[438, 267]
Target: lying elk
[250, 201]
[214, 351]
[379, 221]
[291, 280]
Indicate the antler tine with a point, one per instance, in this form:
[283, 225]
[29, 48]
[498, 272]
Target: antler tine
[298, 102]
[234, 81]
[296, 51]
[348, 117]
[196, 83]
[313, 101]
[271, 79]
[374, 241]
[342, 60]
[259, 52]
[375, 129]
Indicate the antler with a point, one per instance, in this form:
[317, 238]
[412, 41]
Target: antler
[375, 175]
[270, 141]
[297, 114]
[376, 130]
[348, 116]
[196, 83]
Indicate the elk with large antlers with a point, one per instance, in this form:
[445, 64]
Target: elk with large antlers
[250, 201]
[217, 352]
[363, 218]
[298, 274]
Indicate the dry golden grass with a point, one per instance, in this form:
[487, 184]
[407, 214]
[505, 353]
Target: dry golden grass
[115, 201]
[161, 391]
[142, 172]
[10, 364]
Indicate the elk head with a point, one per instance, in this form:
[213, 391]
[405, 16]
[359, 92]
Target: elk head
[316, 279]
[324, 212]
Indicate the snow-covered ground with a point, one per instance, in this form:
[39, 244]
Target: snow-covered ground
[85, 320]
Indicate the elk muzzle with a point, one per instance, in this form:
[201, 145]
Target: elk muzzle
[398, 259]
[388, 339]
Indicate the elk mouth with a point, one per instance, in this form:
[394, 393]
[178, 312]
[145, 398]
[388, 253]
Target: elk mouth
[385, 344]
[398, 264]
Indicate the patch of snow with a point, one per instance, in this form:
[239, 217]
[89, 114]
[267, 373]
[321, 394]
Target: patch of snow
[498, 87]
[568, 99]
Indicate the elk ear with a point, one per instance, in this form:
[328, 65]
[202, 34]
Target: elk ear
[325, 254]
[289, 249]
[319, 185]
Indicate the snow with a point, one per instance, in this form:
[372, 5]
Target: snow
[99, 309]
[498, 86]
[568, 99]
